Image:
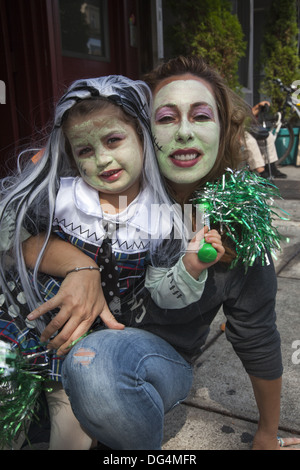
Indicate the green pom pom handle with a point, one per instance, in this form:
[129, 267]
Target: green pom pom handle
[207, 253]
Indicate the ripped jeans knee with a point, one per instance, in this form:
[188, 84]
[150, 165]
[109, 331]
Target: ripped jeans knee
[84, 356]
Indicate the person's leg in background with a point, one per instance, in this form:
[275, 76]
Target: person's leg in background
[261, 153]
[268, 149]
[254, 156]
[65, 432]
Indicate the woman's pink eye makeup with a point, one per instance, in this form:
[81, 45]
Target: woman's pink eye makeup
[199, 111]
[164, 113]
[203, 111]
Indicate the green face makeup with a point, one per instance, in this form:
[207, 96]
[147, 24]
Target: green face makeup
[186, 127]
[107, 151]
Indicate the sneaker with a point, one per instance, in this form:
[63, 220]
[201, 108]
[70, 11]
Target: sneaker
[264, 174]
[279, 174]
[276, 173]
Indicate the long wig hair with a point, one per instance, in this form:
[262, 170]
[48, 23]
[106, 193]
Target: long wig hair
[28, 197]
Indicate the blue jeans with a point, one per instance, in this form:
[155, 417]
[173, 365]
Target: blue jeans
[121, 383]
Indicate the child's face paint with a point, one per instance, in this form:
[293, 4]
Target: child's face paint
[107, 152]
[186, 126]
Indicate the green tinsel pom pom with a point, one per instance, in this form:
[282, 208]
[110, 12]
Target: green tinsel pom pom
[21, 382]
[23, 373]
[241, 202]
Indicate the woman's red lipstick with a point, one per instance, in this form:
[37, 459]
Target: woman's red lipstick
[186, 158]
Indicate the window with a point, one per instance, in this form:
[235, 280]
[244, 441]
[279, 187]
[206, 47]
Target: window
[84, 29]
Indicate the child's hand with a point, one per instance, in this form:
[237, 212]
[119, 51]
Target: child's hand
[191, 261]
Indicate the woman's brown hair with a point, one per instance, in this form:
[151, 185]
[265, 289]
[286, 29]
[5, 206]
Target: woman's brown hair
[233, 115]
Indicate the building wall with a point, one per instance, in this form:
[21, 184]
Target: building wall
[36, 70]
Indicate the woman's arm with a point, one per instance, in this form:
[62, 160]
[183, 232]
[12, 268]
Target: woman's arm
[267, 395]
[80, 297]
[59, 256]
[251, 329]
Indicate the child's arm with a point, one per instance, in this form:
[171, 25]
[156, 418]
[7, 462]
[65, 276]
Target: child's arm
[184, 283]
[191, 261]
[80, 297]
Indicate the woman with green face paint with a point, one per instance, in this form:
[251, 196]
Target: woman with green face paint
[198, 127]
[197, 122]
[186, 127]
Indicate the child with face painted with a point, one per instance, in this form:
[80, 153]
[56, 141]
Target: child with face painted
[101, 129]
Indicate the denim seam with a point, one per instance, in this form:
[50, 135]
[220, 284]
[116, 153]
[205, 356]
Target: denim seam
[186, 366]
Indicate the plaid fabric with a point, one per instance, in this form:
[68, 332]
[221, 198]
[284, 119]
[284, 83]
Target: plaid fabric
[131, 268]
[22, 334]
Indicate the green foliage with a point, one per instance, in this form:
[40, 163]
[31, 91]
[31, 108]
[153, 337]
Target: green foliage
[280, 50]
[208, 28]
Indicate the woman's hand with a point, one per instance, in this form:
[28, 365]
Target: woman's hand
[191, 261]
[81, 301]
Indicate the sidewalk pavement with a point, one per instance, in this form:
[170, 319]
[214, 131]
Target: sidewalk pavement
[220, 412]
